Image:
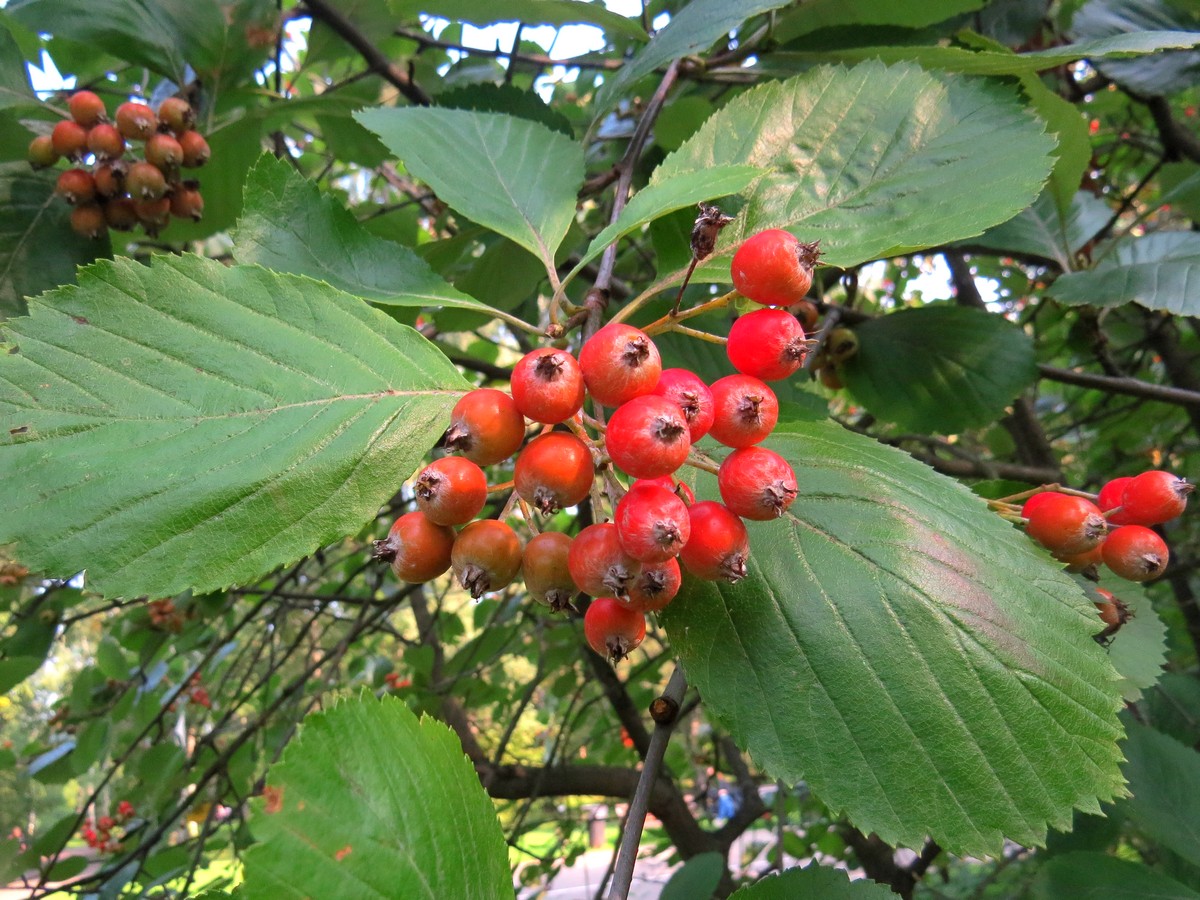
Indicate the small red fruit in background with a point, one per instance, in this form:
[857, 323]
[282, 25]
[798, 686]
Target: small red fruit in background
[451, 490]
[195, 149]
[554, 471]
[1114, 613]
[547, 385]
[187, 202]
[598, 564]
[746, 410]
[768, 344]
[546, 570]
[145, 181]
[647, 437]
[486, 556]
[76, 186]
[69, 140]
[164, 151]
[619, 362]
[686, 390]
[756, 483]
[86, 108]
[1135, 553]
[719, 545]
[1110, 498]
[612, 629]
[176, 113]
[485, 427]
[652, 523]
[88, 221]
[773, 268]
[136, 121]
[417, 548]
[1065, 524]
[41, 154]
[1154, 497]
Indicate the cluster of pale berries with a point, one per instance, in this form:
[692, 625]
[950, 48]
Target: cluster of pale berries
[112, 190]
[630, 565]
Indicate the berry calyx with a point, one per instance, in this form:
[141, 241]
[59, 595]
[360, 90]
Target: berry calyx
[486, 556]
[647, 437]
[619, 362]
[756, 483]
[451, 490]
[547, 574]
[652, 523]
[719, 545]
[1155, 497]
[69, 140]
[418, 549]
[773, 268]
[746, 410]
[485, 427]
[554, 471]
[655, 586]
[768, 343]
[612, 629]
[598, 564]
[1065, 524]
[1135, 553]
[686, 390]
[136, 121]
[547, 385]
[86, 108]
[41, 153]
[176, 114]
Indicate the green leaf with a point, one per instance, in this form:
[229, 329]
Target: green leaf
[814, 15]
[194, 425]
[1154, 271]
[14, 77]
[1164, 777]
[698, 877]
[1042, 231]
[528, 12]
[664, 197]
[939, 368]
[287, 225]
[16, 669]
[1098, 876]
[369, 802]
[909, 654]
[509, 100]
[871, 160]
[38, 249]
[1158, 75]
[814, 882]
[693, 29]
[511, 175]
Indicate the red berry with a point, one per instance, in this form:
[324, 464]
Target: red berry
[647, 437]
[746, 410]
[486, 556]
[1155, 497]
[69, 139]
[547, 574]
[687, 391]
[195, 149]
[154, 214]
[655, 586]
[1112, 610]
[76, 186]
[773, 268]
[120, 213]
[451, 490]
[619, 362]
[42, 154]
[554, 471]
[176, 113]
[110, 179]
[719, 545]
[1037, 500]
[652, 523]
[144, 181]
[612, 629]
[768, 344]
[1110, 498]
[187, 202]
[88, 221]
[807, 313]
[756, 483]
[679, 489]
[1081, 562]
[485, 427]
[1065, 524]
[105, 142]
[164, 151]
[547, 385]
[136, 121]
[417, 548]
[599, 567]
[1135, 553]
[86, 108]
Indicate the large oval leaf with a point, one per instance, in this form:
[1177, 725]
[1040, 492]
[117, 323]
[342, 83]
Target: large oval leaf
[1098, 876]
[1154, 271]
[1164, 776]
[912, 656]
[194, 425]
[939, 368]
[369, 802]
[872, 160]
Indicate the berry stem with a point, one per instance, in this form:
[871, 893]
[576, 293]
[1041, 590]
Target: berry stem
[692, 332]
[698, 460]
[497, 488]
[662, 324]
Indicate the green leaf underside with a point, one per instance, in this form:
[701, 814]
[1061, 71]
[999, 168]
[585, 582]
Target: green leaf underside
[1042, 231]
[814, 882]
[511, 175]
[191, 425]
[871, 160]
[289, 226]
[374, 803]
[918, 661]
[1164, 778]
[1098, 876]
[656, 200]
[1159, 74]
[1159, 271]
[920, 367]
[692, 29]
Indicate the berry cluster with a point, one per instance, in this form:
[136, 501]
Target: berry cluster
[109, 189]
[98, 835]
[631, 564]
